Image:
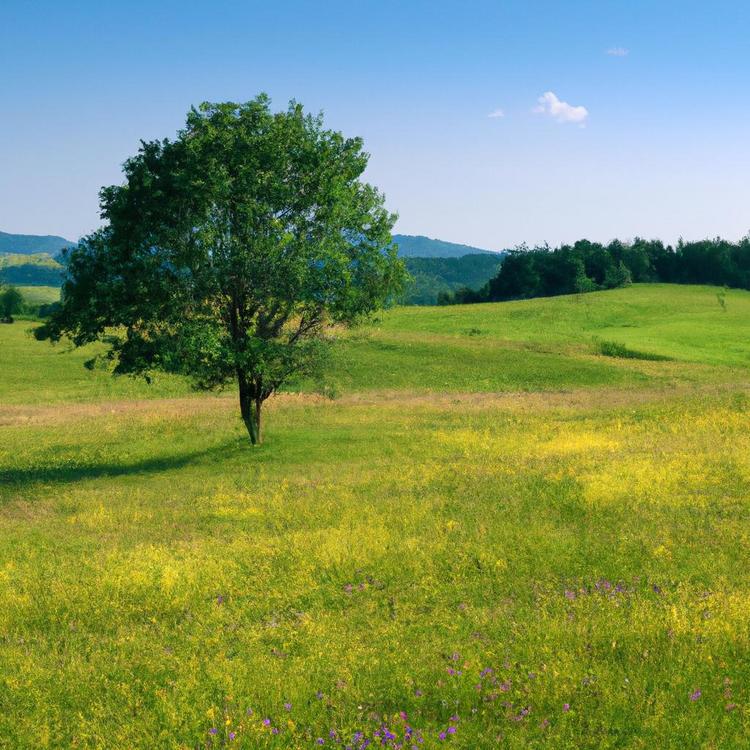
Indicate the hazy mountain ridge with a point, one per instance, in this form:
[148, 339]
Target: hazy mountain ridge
[418, 246]
[30, 244]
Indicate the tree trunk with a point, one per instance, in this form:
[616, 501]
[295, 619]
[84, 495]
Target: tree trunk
[250, 407]
[259, 431]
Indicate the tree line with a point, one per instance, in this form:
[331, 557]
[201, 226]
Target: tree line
[590, 266]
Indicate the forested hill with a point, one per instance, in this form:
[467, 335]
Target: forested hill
[29, 244]
[410, 246]
[434, 278]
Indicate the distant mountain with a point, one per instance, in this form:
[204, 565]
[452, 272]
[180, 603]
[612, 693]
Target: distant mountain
[28, 244]
[410, 246]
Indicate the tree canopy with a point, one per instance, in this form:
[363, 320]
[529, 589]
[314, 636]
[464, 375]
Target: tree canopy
[11, 302]
[587, 266]
[228, 251]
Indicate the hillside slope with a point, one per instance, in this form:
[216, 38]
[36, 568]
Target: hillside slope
[36, 269]
[533, 345]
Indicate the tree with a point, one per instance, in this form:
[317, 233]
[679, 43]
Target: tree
[11, 302]
[228, 252]
[618, 276]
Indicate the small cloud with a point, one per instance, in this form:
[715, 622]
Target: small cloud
[618, 52]
[496, 113]
[550, 105]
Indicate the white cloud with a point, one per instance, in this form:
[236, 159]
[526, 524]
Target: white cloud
[550, 105]
[618, 52]
[496, 113]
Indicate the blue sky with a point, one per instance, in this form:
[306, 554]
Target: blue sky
[644, 130]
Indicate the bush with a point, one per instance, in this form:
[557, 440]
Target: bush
[620, 351]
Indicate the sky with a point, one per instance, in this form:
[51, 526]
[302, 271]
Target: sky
[488, 123]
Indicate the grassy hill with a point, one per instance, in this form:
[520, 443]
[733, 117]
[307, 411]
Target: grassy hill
[45, 260]
[495, 527]
[37, 269]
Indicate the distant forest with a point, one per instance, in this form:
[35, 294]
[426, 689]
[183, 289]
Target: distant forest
[432, 277]
[589, 266]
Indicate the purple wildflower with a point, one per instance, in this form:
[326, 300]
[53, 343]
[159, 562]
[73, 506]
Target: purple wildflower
[320, 741]
[442, 736]
[451, 730]
[213, 730]
[232, 735]
[695, 695]
[566, 706]
[266, 722]
[288, 706]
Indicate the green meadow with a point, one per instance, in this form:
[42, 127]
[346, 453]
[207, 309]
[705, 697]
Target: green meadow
[39, 295]
[514, 525]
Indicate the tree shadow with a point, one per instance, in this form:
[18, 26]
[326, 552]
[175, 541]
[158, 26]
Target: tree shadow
[69, 473]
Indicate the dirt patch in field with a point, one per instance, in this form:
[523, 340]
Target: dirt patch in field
[56, 413]
[577, 399]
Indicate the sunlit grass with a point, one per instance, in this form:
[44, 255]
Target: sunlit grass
[587, 543]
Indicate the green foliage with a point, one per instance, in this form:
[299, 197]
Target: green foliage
[32, 274]
[11, 302]
[230, 250]
[589, 266]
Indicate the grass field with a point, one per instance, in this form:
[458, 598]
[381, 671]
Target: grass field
[496, 536]
[39, 295]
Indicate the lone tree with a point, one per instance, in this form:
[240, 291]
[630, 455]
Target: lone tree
[228, 251]
[11, 302]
